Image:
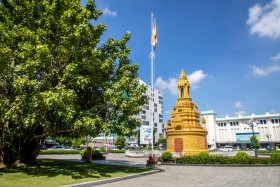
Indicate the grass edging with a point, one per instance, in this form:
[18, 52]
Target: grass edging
[116, 179]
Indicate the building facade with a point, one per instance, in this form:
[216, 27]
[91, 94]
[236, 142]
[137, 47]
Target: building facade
[153, 109]
[234, 130]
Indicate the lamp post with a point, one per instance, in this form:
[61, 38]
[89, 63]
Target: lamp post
[251, 123]
[268, 137]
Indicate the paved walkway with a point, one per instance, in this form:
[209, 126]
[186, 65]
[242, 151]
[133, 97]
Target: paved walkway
[194, 176]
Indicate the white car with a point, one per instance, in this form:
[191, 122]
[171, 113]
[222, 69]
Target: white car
[226, 148]
[56, 148]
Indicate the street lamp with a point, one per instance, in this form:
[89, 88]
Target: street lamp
[268, 136]
[253, 123]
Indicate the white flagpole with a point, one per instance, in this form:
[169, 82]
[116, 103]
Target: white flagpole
[152, 87]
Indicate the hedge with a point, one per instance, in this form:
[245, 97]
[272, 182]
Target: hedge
[239, 158]
[116, 151]
[49, 152]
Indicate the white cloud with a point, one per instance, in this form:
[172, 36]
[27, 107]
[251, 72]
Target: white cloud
[171, 84]
[107, 12]
[276, 57]
[240, 113]
[265, 20]
[263, 71]
[196, 77]
[238, 105]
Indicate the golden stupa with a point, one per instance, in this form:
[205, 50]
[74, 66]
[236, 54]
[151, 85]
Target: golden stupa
[184, 133]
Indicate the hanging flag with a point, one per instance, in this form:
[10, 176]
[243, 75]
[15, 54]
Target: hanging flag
[154, 34]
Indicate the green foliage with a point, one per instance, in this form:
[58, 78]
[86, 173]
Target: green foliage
[47, 152]
[254, 141]
[56, 78]
[83, 152]
[162, 141]
[243, 158]
[74, 142]
[241, 155]
[275, 154]
[264, 151]
[239, 158]
[96, 154]
[120, 142]
[117, 151]
[102, 149]
[166, 156]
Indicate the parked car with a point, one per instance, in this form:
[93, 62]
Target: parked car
[236, 148]
[226, 148]
[68, 148]
[56, 148]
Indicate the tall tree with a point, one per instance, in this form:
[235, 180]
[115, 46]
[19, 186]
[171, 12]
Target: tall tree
[58, 79]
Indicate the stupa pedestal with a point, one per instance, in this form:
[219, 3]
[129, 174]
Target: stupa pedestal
[184, 133]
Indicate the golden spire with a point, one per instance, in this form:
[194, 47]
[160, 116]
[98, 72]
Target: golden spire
[183, 86]
[183, 75]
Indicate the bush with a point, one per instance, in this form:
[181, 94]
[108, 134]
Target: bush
[243, 158]
[102, 149]
[239, 158]
[275, 156]
[96, 154]
[117, 151]
[166, 156]
[48, 152]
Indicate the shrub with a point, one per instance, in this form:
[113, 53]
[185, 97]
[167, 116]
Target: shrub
[97, 155]
[166, 156]
[275, 156]
[102, 149]
[83, 152]
[241, 155]
[117, 151]
[243, 158]
[47, 152]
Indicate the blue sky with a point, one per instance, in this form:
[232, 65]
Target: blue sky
[230, 50]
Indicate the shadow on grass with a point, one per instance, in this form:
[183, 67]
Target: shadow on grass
[77, 170]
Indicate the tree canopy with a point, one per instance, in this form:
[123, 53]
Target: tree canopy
[57, 78]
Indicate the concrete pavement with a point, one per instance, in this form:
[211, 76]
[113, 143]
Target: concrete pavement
[194, 176]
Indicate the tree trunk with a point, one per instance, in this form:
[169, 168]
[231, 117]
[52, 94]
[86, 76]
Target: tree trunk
[30, 148]
[29, 151]
[23, 149]
[8, 155]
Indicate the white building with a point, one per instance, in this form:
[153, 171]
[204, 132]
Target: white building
[145, 115]
[232, 130]
[153, 109]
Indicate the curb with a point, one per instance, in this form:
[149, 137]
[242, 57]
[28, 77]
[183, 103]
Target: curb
[224, 165]
[106, 181]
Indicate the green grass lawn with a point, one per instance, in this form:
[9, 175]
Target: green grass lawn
[48, 172]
